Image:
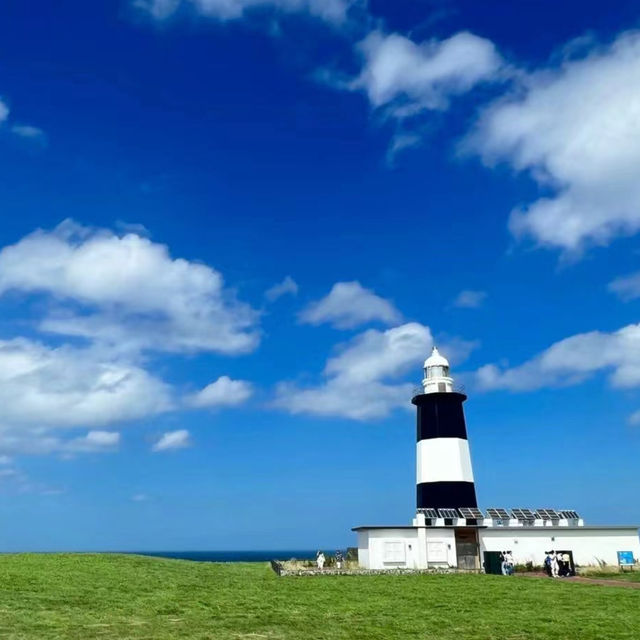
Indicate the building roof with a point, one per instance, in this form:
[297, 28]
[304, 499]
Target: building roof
[480, 526]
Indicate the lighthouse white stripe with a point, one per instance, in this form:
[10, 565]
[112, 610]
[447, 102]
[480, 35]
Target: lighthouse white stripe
[443, 460]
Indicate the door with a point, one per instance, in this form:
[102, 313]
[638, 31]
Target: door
[492, 562]
[467, 549]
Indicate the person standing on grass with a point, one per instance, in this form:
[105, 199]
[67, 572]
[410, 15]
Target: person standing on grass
[547, 563]
[510, 563]
[320, 560]
[339, 559]
[503, 563]
[554, 564]
[566, 558]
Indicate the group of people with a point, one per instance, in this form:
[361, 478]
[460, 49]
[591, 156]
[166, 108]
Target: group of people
[557, 565]
[507, 563]
[320, 560]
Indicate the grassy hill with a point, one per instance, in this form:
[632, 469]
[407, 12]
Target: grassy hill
[118, 597]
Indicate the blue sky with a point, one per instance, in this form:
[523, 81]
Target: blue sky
[232, 230]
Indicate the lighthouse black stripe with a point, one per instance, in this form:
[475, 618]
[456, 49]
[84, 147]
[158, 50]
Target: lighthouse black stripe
[440, 415]
[443, 495]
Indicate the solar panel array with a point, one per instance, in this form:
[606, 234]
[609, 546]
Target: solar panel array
[524, 514]
[548, 514]
[448, 513]
[521, 514]
[471, 513]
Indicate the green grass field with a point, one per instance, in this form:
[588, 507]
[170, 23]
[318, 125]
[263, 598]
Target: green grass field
[627, 576]
[120, 597]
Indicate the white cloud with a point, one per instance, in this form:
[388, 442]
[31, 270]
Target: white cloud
[572, 360]
[70, 387]
[94, 441]
[224, 392]
[469, 299]
[330, 10]
[173, 440]
[576, 129]
[132, 294]
[627, 287]
[634, 418]
[30, 132]
[4, 111]
[407, 77]
[357, 379]
[44, 389]
[349, 304]
[287, 286]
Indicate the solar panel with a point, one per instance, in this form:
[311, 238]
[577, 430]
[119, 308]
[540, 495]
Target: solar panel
[448, 513]
[523, 514]
[429, 513]
[498, 514]
[471, 513]
[548, 514]
[569, 514]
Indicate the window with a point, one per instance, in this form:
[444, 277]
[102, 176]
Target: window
[394, 552]
[436, 552]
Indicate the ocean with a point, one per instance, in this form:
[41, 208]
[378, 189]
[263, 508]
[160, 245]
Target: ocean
[234, 556]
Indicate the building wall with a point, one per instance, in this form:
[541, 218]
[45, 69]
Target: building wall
[588, 545]
[431, 547]
[408, 548]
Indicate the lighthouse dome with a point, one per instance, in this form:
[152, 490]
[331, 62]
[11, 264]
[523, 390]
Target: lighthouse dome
[436, 359]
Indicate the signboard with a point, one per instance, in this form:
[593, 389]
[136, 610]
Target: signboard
[625, 558]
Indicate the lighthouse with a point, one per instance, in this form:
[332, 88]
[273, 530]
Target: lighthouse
[444, 477]
[449, 531]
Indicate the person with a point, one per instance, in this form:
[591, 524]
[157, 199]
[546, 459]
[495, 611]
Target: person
[339, 559]
[547, 563]
[320, 559]
[561, 565]
[510, 563]
[503, 563]
[566, 559]
[554, 564]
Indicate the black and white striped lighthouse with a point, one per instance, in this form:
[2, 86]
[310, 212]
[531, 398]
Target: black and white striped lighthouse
[444, 473]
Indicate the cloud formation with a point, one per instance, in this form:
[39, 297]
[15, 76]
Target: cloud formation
[470, 299]
[575, 129]
[45, 389]
[224, 392]
[571, 361]
[359, 380]
[124, 296]
[406, 77]
[287, 287]
[333, 11]
[66, 387]
[626, 287]
[94, 442]
[130, 292]
[172, 440]
[348, 305]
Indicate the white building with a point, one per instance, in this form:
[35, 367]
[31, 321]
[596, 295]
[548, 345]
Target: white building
[449, 530]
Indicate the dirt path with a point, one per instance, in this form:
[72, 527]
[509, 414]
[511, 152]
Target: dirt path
[582, 579]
